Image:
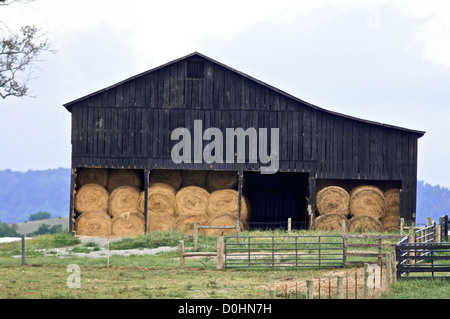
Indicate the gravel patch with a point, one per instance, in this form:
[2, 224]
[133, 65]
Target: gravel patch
[104, 252]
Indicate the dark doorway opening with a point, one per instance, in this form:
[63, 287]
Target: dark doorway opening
[276, 197]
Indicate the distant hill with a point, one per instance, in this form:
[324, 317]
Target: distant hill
[29, 227]
[26, 193]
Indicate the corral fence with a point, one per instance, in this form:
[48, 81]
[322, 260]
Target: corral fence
[424, 250]
[283, 251]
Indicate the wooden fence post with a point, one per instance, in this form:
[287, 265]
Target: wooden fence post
[388, 269]
[220, 253]
[23, 250]
[437, 235]
[340, 287]
[195, 235]
[411, 240]
[289, 230]
[366, 276]
[182, 254]
[344, 250]
[394, 266]
[402, 225]
[309, 289]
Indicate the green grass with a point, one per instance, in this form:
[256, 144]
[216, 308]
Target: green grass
[159, 276]
[419, 289]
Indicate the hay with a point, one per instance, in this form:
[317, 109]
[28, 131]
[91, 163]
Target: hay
[368, 201]
[161, 222]
[333, 200]
[93, 223]
[191, 200]
[93, 175]
[123, 177]
[186, 223]
[364, 223]
[166, 176]
[392, 219]
[221, 220]
[161, 200]
[194, 178]
[91, 197]
[392, 200]
[226, 201]
[330, 222]
[128, 224]
[217, 180]
[123, 199]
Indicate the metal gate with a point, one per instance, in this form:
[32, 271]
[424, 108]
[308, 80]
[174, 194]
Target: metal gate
[423, 258]
[284, 251]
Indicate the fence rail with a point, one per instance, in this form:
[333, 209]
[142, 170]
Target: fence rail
[424, 250]
[284, 251]
[423, 257]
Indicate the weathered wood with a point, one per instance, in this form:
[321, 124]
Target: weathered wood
[309, 289]
[220, 253]
[128, 125]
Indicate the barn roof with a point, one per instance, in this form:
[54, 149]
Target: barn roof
[68, 105]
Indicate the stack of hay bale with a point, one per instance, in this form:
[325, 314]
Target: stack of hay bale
[111, 203]
[106, 203]
[208, 198]
[365, 208]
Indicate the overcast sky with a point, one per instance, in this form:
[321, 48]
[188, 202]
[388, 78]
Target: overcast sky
[385, 61]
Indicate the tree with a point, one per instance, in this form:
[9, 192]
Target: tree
[47, 229]
[19, 53]
[7, 230]
[39, 216]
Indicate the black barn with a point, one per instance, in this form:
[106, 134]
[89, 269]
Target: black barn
[129, 124]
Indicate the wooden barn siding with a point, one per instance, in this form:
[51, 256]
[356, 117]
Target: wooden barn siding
[129, 126]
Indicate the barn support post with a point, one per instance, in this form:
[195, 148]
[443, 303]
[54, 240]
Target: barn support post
[73, 179]
[240, 179]
[146, 181]
[311, 201]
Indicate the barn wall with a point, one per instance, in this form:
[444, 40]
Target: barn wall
[129, 126]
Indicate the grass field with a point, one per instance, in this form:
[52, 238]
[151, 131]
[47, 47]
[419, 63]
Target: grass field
[159, 276]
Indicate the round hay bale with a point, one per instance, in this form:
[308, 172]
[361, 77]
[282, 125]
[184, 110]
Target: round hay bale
[217, 180]
[330, 222]
[333, 200]
[93, 175]
[171, 177]
[161, 199]
[123, 199]
[363, 223]
[391, 221]
[128, 224]
[221, 220]
[226, 201]
[93, 223]
[186, 223]
[192, 200]
[123, 177]
[194, 178]
[392, 200]
[368, 201]
[91, 197]
[390, 224]
[161, 222]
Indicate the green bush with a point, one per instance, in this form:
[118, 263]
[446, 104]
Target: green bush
[39, 216]
[8, 231]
